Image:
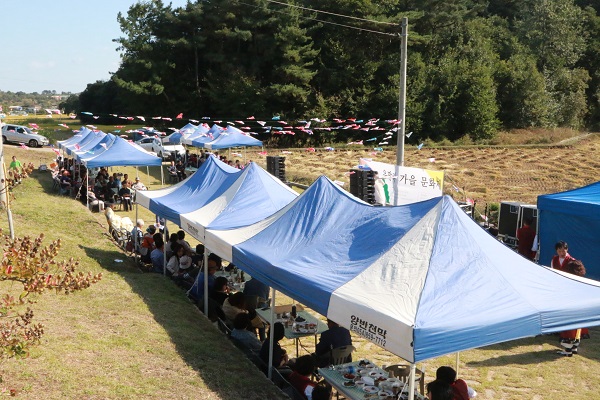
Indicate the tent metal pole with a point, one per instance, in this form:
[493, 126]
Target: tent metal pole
[87, 190]
[205, 281]
[457, 361]
[162, 178]
[164, 252]
[271, 330]
[411, 382]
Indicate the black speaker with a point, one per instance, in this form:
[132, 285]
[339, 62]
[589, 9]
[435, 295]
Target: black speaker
[276, 167]
[362, 185]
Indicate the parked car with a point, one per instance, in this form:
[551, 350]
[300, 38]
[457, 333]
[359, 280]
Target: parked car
[155, 145]
[22, 134]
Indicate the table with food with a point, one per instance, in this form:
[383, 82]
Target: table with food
[364, 380]
[302, 325]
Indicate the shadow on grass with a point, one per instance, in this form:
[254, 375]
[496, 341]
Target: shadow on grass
[196, 340]
[534, 356]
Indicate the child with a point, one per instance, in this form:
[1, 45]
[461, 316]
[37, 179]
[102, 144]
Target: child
[562, 257]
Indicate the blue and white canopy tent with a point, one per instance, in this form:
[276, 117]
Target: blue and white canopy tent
[75, 139]
[421, 280]
[121, 153]
[177, 137]
[209, 182]
[232, 137]
[203, 136]
[572, 216]
[200, 131]
[218, 195]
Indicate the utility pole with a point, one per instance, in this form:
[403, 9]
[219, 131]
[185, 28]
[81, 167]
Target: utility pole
[401, 105]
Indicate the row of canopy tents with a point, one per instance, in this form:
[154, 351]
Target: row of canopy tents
[98, 149]
[420, 280]
[213, 138]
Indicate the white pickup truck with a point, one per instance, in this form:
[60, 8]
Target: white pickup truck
[164, 151]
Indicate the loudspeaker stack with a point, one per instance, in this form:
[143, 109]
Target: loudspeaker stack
[276, 166]
[362, 185]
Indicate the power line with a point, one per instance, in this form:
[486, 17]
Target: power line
[330, 13]
[327, 22]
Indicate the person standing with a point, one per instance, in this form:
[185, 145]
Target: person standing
[570, 339]
[526, 236]
[562, 257]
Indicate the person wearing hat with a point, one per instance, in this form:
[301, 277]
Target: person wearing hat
[138, 185]
[147, 243]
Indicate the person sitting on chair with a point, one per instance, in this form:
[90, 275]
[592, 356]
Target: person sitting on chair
[439, 390]
[301, 377]
[242, 332]
[158, 256]
[459, 387]
[138, 185]
[125, 193]
[280, 357]
[220, 292]
[336, 336]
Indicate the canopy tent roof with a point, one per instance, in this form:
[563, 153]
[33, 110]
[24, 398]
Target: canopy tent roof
[232, 137]
[420, 280]
[98, 148]
[210, 181]
[78, 137]
[90, 142]
[253, 196]
[200, 131]
[122, 153]
[178, 136]
[572, 216]
[199, 140]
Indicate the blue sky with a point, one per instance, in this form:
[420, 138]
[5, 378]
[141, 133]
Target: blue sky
[59, 45]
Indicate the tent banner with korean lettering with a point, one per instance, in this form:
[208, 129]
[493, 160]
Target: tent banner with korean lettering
[414, 184]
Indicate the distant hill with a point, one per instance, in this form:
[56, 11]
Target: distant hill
[46, 99]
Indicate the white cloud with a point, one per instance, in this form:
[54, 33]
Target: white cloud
[41, 65]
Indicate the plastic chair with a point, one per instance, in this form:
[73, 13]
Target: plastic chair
[340, 355]
[402, 372]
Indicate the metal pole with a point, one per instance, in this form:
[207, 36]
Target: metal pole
[411, 381]
[205, 272]
[401, 105]
[271, 331]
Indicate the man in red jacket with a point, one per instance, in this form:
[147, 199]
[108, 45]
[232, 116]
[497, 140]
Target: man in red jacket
[526, 235]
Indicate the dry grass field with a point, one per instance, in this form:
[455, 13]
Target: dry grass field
[516, 171]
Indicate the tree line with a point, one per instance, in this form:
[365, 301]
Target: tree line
[474, 66]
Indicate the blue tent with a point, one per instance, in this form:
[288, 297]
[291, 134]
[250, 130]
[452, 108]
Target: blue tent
[233, 137]
[178, 136]
[90, 142]
[75, 139]
[210, 181]
[420, 280]
[572, 216]
[200, 140]
[100, 147]
[122, 153]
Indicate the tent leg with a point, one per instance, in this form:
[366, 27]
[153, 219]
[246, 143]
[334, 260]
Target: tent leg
[411, 382]
[164, 252]
[271, 341]
[205, 281]
[457, 362]
[162, 178]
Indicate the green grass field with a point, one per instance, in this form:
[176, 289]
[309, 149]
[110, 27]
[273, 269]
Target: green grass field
[135, 335]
